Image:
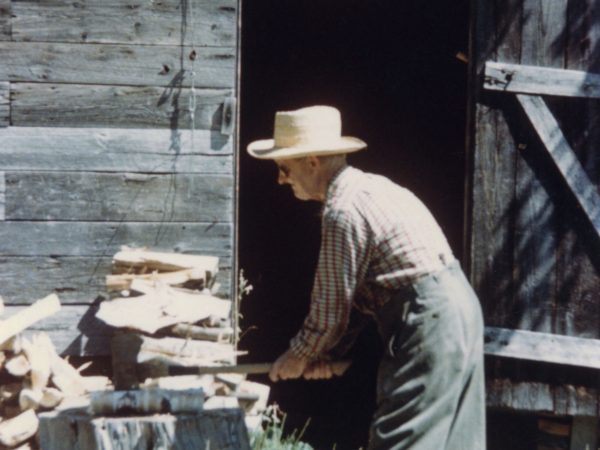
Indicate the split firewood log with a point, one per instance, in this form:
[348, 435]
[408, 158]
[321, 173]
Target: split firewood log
[30, 398]
[18, 366]
[141, 259]
[124, 281]
[66, 378]
[1, 305]
[183, 352]
[10, 391]
[39, 352]
[160, 309]
[13, 344]
[27, 317]
[214, 334]
[51, 397]
[18, 429]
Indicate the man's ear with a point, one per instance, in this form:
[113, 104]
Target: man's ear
[314, 162]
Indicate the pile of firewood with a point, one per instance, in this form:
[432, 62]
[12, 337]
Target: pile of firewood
[170, 318]
[35, 378]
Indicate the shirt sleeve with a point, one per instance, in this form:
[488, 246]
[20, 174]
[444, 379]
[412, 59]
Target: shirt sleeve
[340, 269]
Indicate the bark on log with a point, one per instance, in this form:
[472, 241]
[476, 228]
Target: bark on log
[146, 401]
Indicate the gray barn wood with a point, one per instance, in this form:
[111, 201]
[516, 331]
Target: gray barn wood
[106, 238]
[112, 64]
[532, 254]
[5, 11]
[76, 279]
[4, 103]
[541, 80]
[79, 105]
[92, 196]
[115, 150]
[118, 22]
[216, 429]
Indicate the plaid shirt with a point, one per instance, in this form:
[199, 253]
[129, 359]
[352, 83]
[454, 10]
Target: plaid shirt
[376, 237]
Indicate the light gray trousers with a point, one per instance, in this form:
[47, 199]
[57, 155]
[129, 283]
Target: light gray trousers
[430, 387]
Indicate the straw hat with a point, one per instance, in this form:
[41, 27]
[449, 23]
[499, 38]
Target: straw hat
[315, 130]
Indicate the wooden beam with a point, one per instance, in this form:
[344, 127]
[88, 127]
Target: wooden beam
[544, 347]
[563, 157]
[131, 65]
[114, 150]
[161, 22]
[4, 104]
[541, 80]
[92, 105]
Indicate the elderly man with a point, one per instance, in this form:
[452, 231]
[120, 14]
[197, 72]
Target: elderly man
[383, 254]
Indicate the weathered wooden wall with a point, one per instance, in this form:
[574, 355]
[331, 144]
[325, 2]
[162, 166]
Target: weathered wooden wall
[534, 256]
[96, 146]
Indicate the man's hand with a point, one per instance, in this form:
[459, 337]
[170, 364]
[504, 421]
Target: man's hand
[324, 370]
[287, 366]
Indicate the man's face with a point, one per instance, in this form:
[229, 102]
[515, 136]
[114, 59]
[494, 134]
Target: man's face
[300, 175]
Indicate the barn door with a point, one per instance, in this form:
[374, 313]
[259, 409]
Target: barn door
[534, 200]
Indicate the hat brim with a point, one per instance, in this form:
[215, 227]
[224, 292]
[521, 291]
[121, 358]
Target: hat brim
[265, 149]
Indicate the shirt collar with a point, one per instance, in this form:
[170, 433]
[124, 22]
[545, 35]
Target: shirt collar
[338, 181]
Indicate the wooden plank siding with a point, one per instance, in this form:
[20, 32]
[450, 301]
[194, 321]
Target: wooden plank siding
[113, 64]
[4, 104]
[136, 22]
[84, 284]
[115, 150]
[72, 105]
[97, 148]
[5, 22]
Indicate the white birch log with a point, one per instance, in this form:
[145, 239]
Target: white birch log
[27, 317]
[18, 429]
[182, 382]
[146, 401]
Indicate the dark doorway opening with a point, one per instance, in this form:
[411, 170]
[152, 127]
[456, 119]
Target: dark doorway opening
[391, 68]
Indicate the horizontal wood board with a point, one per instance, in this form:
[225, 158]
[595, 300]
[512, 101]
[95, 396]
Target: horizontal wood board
[111, 64]
[543, 347]
[167, 22]
[115, 150]
[541, 80]
[106, 238]
[76, 280]
[78, 105]
[132, 197]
